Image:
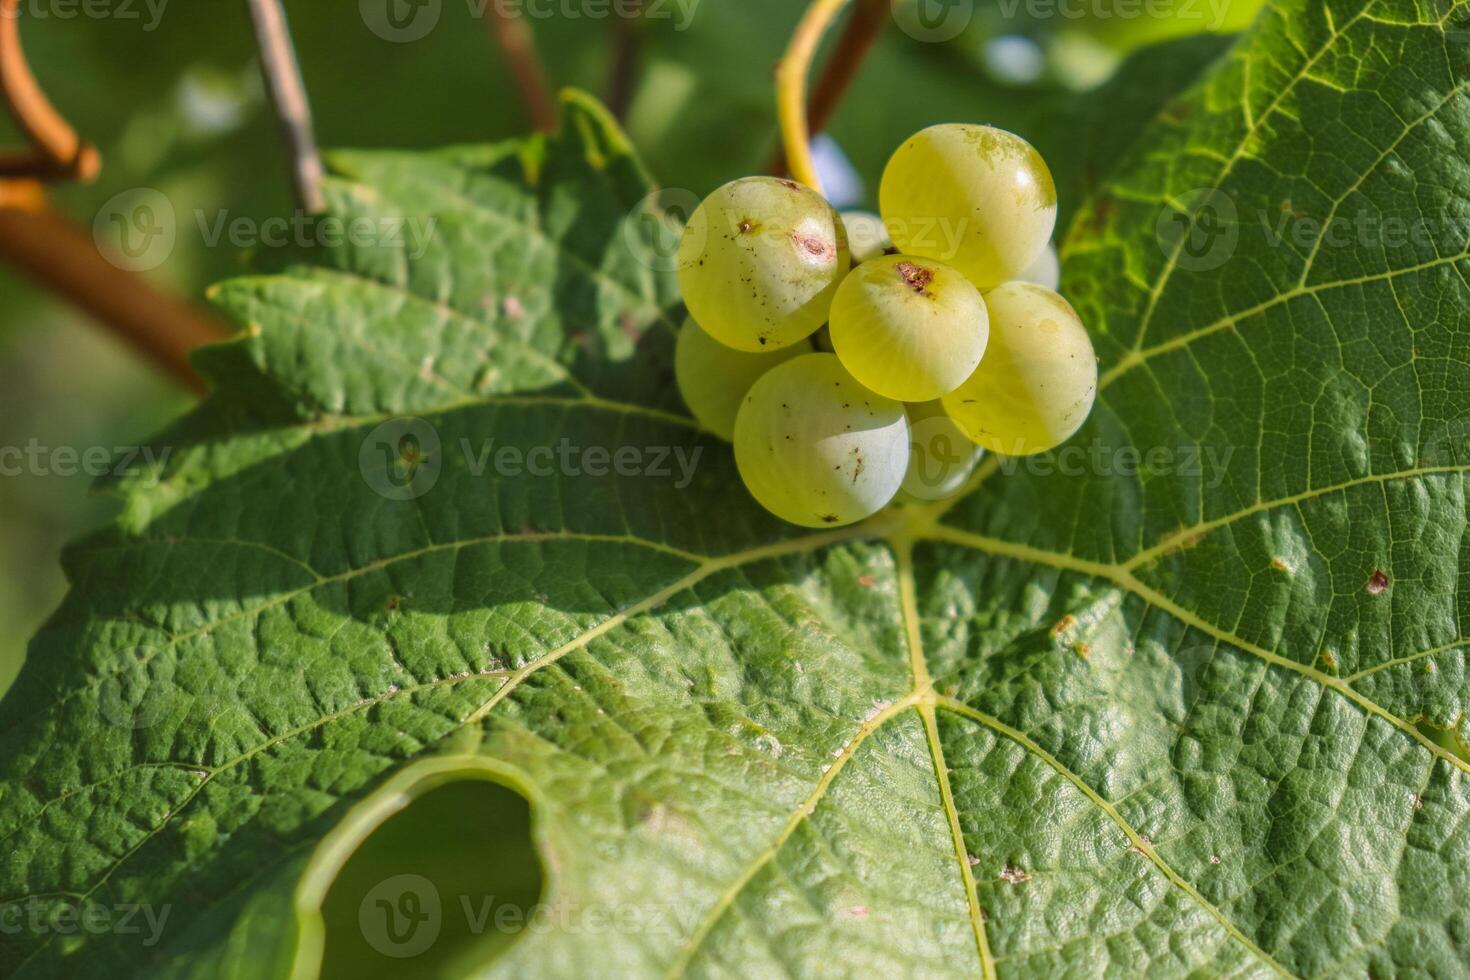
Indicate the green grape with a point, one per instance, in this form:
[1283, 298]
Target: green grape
[1046, 271]
[714, 378]
[816, 448]
[1037, 383]
[910, 329]
[866, 236]
[941, 456]
[759, 262]
[976, 197]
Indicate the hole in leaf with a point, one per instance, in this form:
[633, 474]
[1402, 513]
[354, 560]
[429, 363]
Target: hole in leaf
[439, 890]
[1445, 738]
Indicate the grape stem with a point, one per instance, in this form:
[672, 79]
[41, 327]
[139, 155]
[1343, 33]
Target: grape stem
[791, 78]
[869, 17]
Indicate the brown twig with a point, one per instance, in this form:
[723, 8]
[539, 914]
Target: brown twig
[57, 254]
[627, 53]
[57, 152]
[54, 251]
[869, 17]
[288, 94]
[515, 40]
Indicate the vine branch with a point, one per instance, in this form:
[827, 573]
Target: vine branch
[283, 81]
[869, 17]
[54, 252]
[518, 44]
[57, 152]
[791, 83]
[627, 52]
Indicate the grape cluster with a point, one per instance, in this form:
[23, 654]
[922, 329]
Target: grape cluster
[851, 358]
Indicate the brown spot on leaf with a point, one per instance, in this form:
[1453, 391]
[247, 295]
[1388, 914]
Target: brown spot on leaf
[1378, 584]
[867, 581]
[1013, 876]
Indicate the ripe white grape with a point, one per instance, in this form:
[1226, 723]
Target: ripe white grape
[976, 197]
[866, 236]
[759, 262]
[1046, 271]
[911, 329]
[941, 456]
[713, 378]
[1036, 385]
[818, 449]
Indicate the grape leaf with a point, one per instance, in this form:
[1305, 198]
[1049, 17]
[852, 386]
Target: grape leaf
[1195, 710]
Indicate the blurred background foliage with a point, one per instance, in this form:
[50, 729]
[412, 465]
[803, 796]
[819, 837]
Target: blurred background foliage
[171, 94]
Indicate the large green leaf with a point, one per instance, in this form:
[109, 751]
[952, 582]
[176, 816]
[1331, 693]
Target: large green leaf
[1204, 717]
